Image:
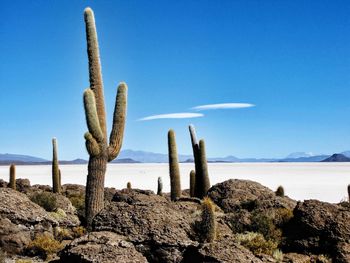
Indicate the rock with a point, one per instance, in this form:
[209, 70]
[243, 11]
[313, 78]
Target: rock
[220, 252]
[22, 185]
[45, 188]
[21, 220]
[3, 183]
[295, 258]
[66, 214]
[320, 228]
[163, 231]
[70, 190]
[101, 247]
[234, 194]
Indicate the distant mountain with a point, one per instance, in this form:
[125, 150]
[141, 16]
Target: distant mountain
[131, 156]
[7, 157]
[124, 160]
[346, 153]
[299, 155]
[149, 157]
[337, 157]
[316, 158]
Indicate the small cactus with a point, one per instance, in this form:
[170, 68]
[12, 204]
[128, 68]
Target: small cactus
[208, 223]
[160, 186]
[12, 183]
[128, 186]
[192, 183]
[174, 170]
[280, 191]
[202, 183]
[56, 187]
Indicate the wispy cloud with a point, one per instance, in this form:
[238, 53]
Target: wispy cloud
[182, 115]
[223, 106]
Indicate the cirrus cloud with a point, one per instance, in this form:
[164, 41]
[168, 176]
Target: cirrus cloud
[181, 115]
[220, 106]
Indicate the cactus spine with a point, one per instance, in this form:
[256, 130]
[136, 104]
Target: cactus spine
[12, 183]
[202, 183]
[56, 186]
[96, 138]
[192, 183]
[174, 170]
[208, 220]
[160, 186]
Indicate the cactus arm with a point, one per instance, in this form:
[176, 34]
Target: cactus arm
[91, 145]
[116, 137]
[95, 74]
[193, 135]
[204, 169]
[92, 115]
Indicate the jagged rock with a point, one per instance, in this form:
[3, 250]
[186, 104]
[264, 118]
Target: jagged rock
[22, 185]
[3, 183]
[163, 231]
[220, 252]
[66, 214]
[101, 247]
[234, 194]
[40, 187]
[73, 190]
[320, 228]
[295, 258]
[21, 220]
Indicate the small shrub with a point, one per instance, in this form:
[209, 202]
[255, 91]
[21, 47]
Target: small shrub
[2, 256]
[250, 205]
[280, 191]
[23, 260]
[78, 231]
[46, 200]
[44, 246]
[78, 201]
[278, 255]
[264, 224]
[63, 234]
[256, 243]
[282, 216]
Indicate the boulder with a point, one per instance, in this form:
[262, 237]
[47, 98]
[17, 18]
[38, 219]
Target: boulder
[320, 228]
[3, 183]
[234, 195]
[21, 220]
[22, 185]
[165, 231]
[101, 247]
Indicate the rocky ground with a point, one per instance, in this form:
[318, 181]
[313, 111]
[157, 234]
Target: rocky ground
[253, 225]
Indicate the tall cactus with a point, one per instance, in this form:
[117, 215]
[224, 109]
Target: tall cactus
[192, 183]
[96, 138]
[204, 169]
[160, 186]
[202, 183]
[12, 183]
[56, 184]
[174, 170]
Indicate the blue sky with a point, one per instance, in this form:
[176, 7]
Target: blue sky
[291, 59]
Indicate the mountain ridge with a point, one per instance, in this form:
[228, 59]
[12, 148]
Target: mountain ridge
[132, 156]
